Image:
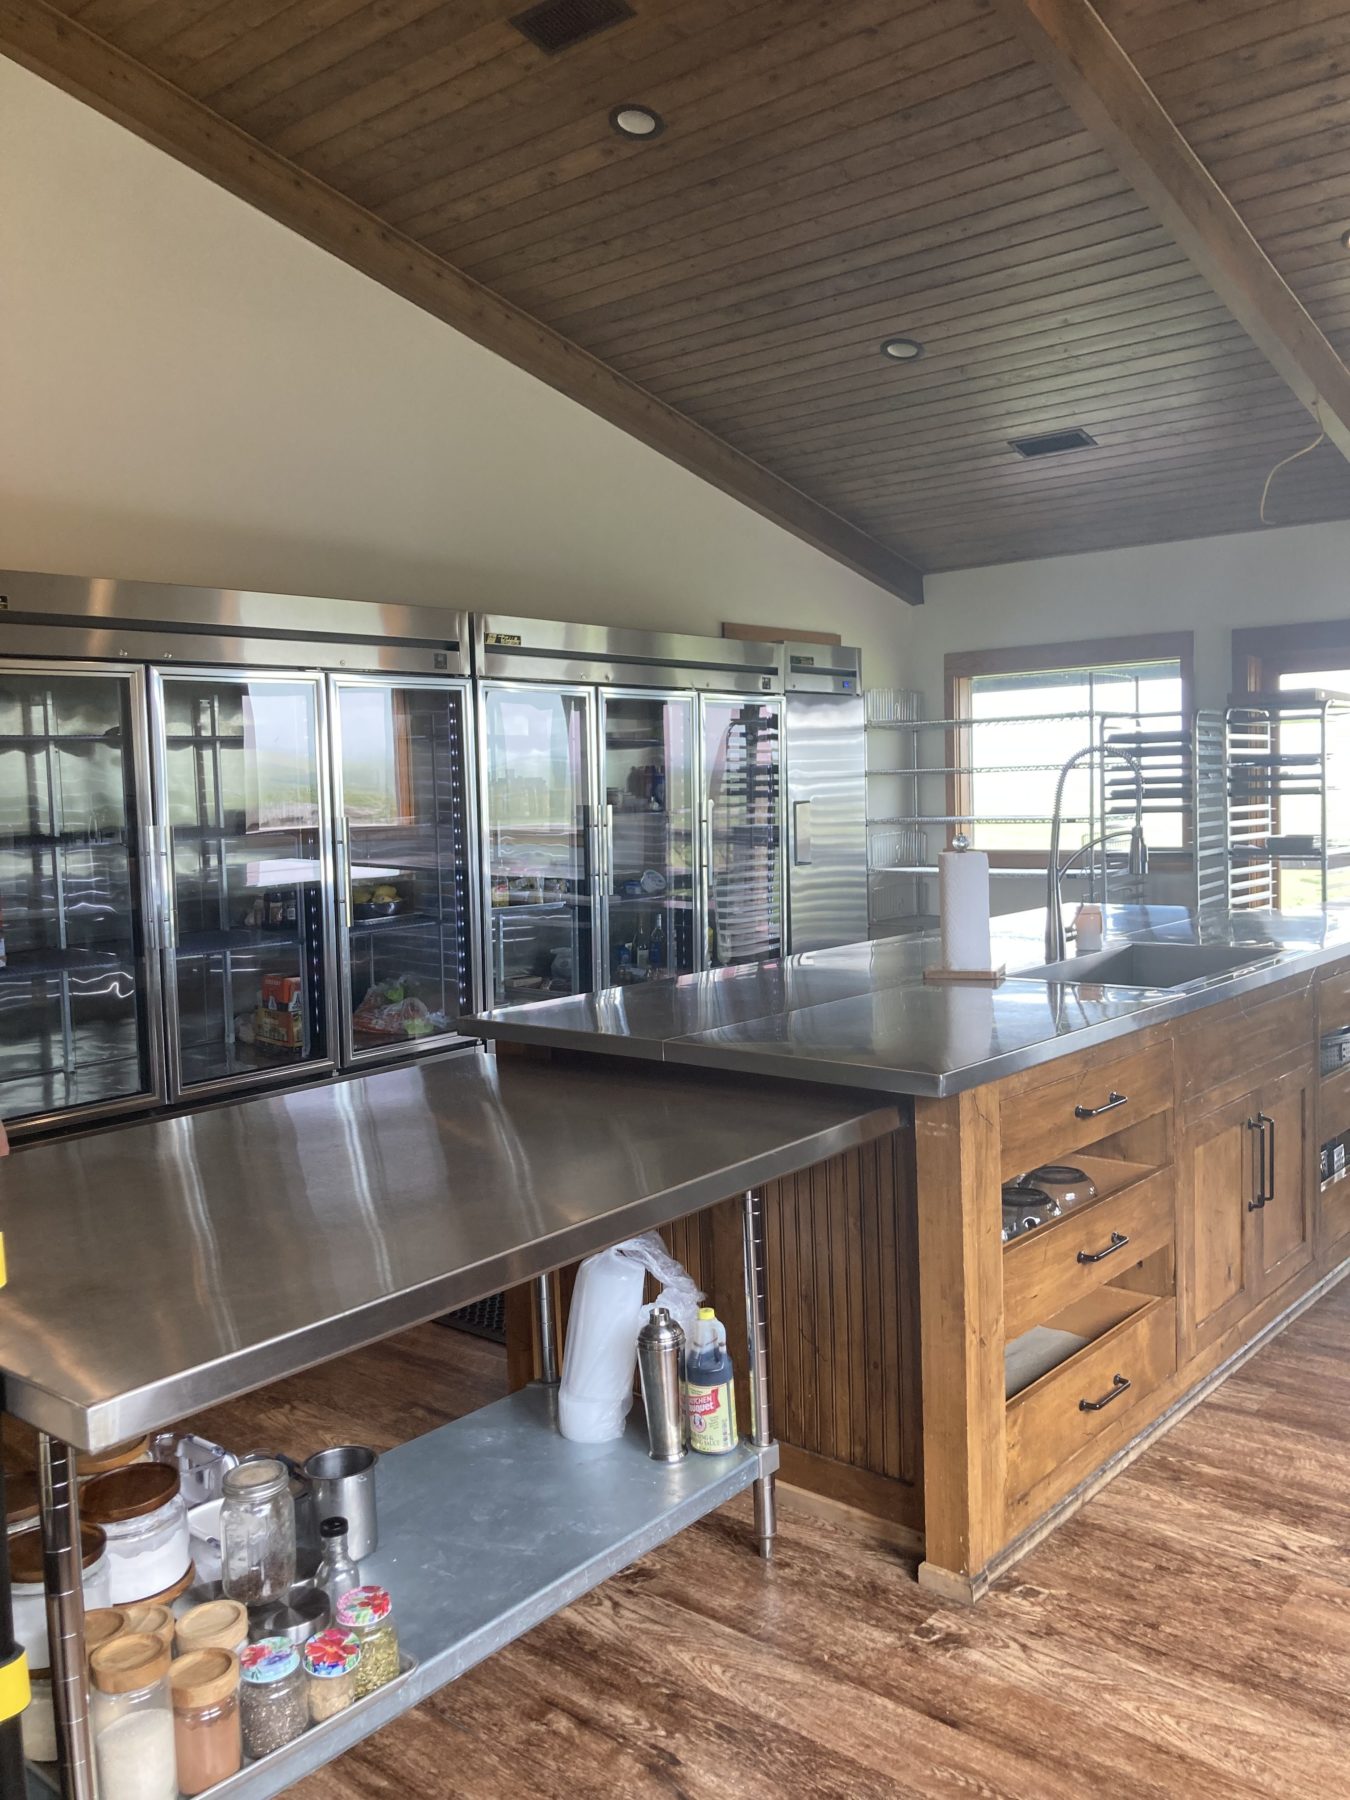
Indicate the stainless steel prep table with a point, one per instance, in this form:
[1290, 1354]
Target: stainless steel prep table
[863, 1016]
[171, 1265]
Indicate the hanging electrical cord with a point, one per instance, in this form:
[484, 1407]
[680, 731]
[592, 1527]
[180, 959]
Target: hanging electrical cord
[1307, 450]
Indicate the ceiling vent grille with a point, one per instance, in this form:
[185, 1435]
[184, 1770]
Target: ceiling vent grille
[1054, 443]
[558, 24]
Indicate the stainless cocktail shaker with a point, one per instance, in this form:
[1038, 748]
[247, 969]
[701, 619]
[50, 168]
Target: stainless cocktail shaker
[660, 1368]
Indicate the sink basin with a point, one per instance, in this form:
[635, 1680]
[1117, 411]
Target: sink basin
[1153, 965]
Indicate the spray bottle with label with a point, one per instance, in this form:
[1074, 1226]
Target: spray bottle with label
[709, 1394]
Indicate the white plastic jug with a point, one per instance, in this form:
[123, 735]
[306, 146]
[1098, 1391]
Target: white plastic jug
[600, 1359]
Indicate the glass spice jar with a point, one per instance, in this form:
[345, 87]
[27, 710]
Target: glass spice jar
[131, 1719]
[257, 1532]
[213, 1625]
[331, 1663]
[273, 1708]
[368, 1614]
[204, 1686]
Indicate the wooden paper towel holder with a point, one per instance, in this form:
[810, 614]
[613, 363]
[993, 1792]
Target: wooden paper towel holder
[971, 977]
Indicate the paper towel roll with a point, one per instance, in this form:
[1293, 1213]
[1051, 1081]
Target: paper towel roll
[963, 909]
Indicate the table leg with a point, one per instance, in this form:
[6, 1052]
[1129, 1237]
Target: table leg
[546, 1330]
[63, 1576]
[766, 1511]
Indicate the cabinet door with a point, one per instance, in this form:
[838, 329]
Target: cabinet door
[1219, 1174]
[1284, 1222]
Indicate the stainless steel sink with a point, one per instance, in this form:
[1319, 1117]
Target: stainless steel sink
[1153, 966]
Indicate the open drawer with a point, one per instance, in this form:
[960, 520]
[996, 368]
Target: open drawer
[1066, 1259]
[1130, 1348]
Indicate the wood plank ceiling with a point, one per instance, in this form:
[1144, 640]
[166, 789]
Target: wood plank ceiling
[830, 175]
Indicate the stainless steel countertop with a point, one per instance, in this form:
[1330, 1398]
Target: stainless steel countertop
[862, 1015]
[175, 1263]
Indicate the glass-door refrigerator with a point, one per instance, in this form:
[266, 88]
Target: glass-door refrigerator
[650, 901]
[79, 1009]
[402, 781]
[541, 840]
[742, 804]
[245, 877]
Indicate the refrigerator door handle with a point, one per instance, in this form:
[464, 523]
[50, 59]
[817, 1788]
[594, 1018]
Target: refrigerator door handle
[168, 911]
[609, 850]
[801, 833]
[150, 884]
[342, 870]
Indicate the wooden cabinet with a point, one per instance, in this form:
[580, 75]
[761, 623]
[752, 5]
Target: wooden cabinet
[1247, 1177]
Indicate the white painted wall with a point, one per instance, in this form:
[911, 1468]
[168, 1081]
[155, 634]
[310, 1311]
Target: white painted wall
[1206, 585]
[192, 393]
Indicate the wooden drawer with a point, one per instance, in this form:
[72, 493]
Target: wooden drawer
[1134, 1342]
[1220, 1050]
[1333, 993]
[1051, 1267]
[1047, 1113]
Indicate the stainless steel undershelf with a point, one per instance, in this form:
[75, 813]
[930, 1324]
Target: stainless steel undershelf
[487, 1527]
[177, 1263]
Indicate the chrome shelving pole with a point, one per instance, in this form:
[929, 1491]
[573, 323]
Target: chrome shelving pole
[58, 1492]
[757, 1339]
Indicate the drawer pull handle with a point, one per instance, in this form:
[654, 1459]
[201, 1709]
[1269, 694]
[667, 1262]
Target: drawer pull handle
[1119, 1385]
[1112, 1101]
[1118, 1242]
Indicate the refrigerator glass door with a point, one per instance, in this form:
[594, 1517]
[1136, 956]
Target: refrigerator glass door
[540, 841]
[647, 745]
[405, 879]
[742, 820]
[78, 1008]
[245, 867]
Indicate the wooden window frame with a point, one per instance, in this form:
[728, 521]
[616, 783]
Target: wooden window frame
[960, 667]
[1262, 653]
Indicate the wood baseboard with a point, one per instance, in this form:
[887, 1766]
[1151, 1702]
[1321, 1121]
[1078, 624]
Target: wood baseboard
[808, 1504]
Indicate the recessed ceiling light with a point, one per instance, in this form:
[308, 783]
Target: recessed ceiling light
[637, 122]
[902, 349]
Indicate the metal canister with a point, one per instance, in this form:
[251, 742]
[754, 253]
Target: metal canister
[660, 1367]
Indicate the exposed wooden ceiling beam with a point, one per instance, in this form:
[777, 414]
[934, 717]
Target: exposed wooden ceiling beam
[1069, 39]
[85, 65]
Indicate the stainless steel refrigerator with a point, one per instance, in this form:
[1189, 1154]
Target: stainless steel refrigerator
[826, 786]
[237, 843]
[631, 804]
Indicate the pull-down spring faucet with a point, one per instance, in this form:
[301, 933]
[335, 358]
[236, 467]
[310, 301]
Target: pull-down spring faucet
[1056, 942]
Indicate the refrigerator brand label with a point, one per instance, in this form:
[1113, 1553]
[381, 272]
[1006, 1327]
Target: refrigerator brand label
[505, 639]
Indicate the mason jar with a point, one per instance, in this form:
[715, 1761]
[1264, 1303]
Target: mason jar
[257, 1532]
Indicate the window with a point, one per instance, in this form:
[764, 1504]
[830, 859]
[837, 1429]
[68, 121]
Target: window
[1057, 699]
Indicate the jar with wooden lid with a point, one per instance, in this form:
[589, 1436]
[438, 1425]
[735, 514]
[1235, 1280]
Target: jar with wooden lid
[154, 1619]
[257, 1532]
[29, 1596]
[145, 1518]
[204, 1686]
[101, 1626]
[331, 1662]
[368, 1614]
[89, 1463]
[214, 1625]
[273, 1709]
[21, 1500]
[131, 1719]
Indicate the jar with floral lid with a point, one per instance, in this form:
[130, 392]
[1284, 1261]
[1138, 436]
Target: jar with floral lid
[131, 1719]
[331, 1663]
[368, 1614]
[257, 1532]
[214, 1625]
[204, 1686]
[273, 1708]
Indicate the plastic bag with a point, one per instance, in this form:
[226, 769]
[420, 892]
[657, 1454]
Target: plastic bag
[602, 1331]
